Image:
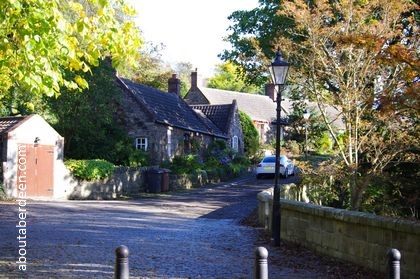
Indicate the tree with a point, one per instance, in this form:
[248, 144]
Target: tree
[347, 54]
[357, 56]
[252, 38]
[87, 137]
[227, 77]
[251, 138]
[151, 70]
[41, 41]
[154, 72]
[184, 69]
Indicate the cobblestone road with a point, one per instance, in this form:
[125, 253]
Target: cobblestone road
[194, 234]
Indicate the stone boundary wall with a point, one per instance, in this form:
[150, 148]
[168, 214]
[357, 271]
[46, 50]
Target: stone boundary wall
[357, 237]
[129, 181]
[124, 181]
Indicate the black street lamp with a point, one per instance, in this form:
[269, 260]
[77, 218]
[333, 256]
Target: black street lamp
[278, 71]
[306, 116]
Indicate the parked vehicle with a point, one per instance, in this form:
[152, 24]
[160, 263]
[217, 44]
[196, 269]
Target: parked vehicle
[267, 166]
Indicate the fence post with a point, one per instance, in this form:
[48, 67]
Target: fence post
[261, 266]
[121, 263]
[394, 257]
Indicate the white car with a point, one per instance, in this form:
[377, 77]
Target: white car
[267, 166]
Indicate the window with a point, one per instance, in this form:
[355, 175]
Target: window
[169, 143]
[235, 143]
[141, 143]
[187, 143]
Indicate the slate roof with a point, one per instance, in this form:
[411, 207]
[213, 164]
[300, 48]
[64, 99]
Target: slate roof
[170, 109]
[258, 107]
[332, 113]
[218, 114]
[7, 123]
[261, 107]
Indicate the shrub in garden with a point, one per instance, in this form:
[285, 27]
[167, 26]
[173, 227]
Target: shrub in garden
[323, 144]
[90, 169]
[184, 164]
[293, 147]
[251, 137]
[219, 161]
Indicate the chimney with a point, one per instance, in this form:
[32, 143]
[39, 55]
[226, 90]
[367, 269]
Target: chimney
[270, 91]
[194, 79]
[174, 85]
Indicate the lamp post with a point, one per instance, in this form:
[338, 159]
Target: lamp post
[306, 116]
[278, 71]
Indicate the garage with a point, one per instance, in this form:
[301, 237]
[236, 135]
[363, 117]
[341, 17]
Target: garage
[31, 151]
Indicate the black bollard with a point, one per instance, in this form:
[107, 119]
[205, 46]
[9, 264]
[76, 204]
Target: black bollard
[261, 266]
[121, 263]
[394, 257]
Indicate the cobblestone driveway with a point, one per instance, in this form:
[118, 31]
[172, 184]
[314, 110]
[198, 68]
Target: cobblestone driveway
[195, 234]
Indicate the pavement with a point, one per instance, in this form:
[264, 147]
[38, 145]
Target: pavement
[192, 234]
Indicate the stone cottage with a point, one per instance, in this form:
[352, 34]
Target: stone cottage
[260, 108]
[226, 117]
[164, 125]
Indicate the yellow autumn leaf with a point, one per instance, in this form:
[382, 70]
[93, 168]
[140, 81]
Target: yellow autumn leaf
[81, 82]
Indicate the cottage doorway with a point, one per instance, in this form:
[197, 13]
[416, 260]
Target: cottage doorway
[37, 170]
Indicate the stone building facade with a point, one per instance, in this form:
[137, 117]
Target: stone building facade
[164, 125]
[261, 109]
[226, 117]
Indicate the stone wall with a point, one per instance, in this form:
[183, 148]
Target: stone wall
[124, 182]
[358, 237]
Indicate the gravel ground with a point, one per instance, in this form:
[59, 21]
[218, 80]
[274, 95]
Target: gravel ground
[194, 234]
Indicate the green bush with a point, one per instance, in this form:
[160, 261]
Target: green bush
[323, 144]
[293, 147]
[90, 169]
[138, 158]
[236, 169]
[251, 137]
[125, 154]
[184, 164]
[241, 160]
[218, 164]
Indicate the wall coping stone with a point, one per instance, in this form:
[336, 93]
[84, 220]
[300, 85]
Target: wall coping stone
[345, 215]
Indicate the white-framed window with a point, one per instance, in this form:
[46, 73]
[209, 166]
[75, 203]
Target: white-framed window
[235, 143]
[169, 143]
[141, 143]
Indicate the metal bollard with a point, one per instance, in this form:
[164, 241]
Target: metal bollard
[394, 257]
[261, 266]
[121, 263]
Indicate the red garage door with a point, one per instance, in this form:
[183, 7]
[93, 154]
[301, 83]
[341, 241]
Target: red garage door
[37, 169]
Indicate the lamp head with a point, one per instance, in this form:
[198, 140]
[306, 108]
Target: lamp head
[279, 69]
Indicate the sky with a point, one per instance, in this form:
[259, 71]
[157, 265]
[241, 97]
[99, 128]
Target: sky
[191, 30]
